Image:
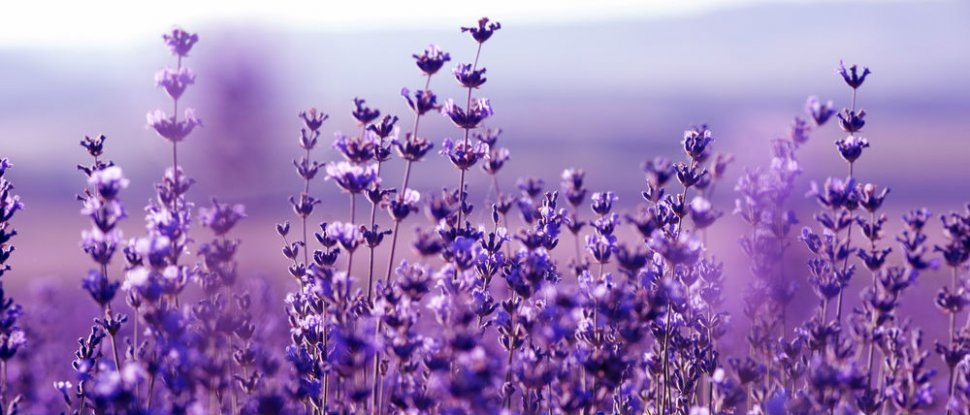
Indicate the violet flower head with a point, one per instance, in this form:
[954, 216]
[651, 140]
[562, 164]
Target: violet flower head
[684, 249]
[423, 101]
[431, 60]
[353, 178]
[852, 76]
[702, 213]
[94, 146]
[469, 77]
[180, 42]
[385, 128]
[852, 121]
[364, 114]
[171, 129]
[101, 289]
[356, 149]
[346, 233]
[108, 182]
[603, 202]
[313, 119]
[820, 112]
[870, 198]
[221, 217]
[484, 31]
[479, 111]
[461, 155]
[488, 136]
[174, 81]
[697, 141]
[413, 148]
[851, 147]
[404, 205]
[835, 193]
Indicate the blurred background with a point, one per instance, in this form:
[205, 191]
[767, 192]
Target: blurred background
[601, 86]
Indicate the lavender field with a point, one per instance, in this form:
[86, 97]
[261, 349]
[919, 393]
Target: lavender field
[729, 207]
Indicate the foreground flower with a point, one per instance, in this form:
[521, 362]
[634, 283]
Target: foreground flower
[431, 60]
[479, 111]
[484, 31]
[353, 178]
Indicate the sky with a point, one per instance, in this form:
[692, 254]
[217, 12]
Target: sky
[109, 23]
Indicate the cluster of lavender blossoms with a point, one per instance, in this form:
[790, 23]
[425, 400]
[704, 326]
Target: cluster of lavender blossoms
[495, 309]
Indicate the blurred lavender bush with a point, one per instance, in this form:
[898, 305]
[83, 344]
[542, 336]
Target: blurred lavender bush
[493, 311]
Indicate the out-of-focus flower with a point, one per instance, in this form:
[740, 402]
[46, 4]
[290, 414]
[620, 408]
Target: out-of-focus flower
[180, 42]
[353, 178]
[174, 81]
[364, 114]
[108, 182]
[820, 112]
[313, 119]
[221, 217]
[171, 129]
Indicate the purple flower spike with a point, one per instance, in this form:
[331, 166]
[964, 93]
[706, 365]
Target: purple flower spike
[431, 61]
[852, 76]
[479, 111]
[169, 128]
[180, 42]
[484, 31]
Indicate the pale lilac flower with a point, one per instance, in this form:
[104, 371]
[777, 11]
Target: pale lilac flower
[108, 182]
[170, 128]
[174, 81]
[180, 42]
[353, 178]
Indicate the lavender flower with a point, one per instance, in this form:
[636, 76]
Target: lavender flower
[851, 147]
[174, 81]
[468, 77]
[180, 42]
[364, 114]
[852, 76]
[484, 31]
[170, 128]
[819, 112]
[431, 60]
[478, 112]
[353, 178]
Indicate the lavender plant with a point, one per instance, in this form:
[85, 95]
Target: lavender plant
[489, 314]
[12, 337]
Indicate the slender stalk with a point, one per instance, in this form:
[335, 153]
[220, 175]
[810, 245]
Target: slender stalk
[461, 177]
